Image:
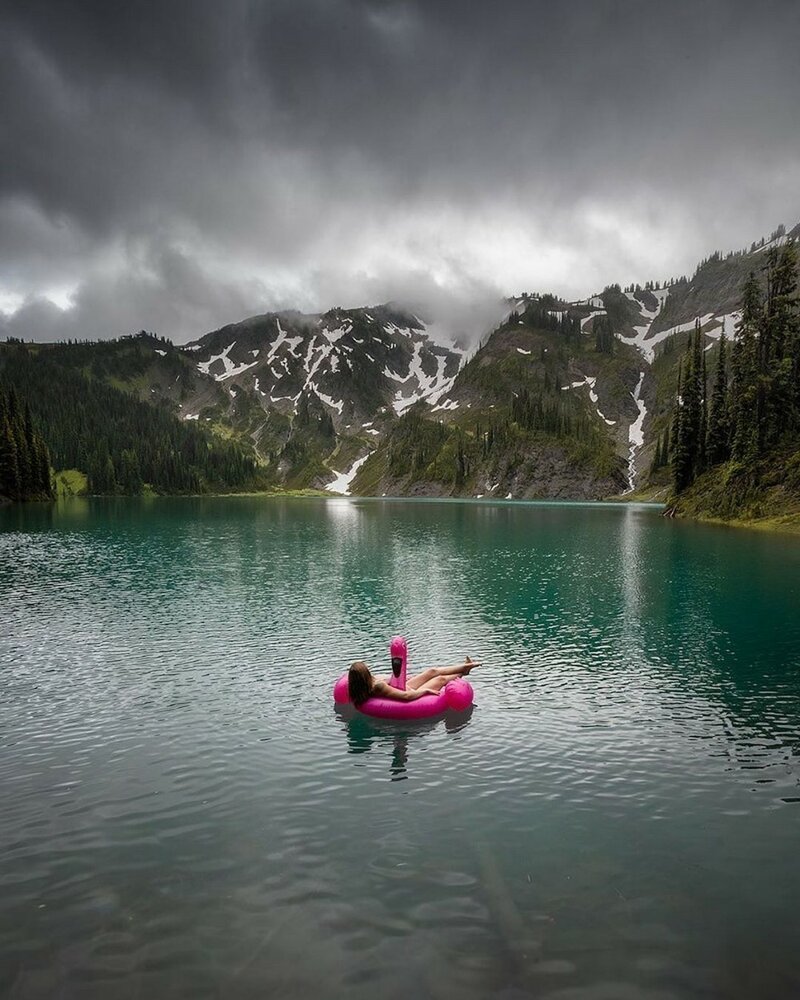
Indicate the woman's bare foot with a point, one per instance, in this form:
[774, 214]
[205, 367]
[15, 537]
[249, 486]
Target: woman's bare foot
[469, 663]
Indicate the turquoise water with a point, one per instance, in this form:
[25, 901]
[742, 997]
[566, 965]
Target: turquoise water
[184, 813]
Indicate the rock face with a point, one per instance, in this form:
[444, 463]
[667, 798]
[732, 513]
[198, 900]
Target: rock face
[562, 399]
[357, 362]
[536, 412]
[315, 393]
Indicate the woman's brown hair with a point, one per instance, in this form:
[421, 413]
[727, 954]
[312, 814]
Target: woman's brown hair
[359, 682]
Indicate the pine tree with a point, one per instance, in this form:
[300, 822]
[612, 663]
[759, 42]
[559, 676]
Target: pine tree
[42, 465]
[779, 326]
[681, 453]
[9, 469]
[703, 430]
[717, 441]
[744, 391]
[688, 451]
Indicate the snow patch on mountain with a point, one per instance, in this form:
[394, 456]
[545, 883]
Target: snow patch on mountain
[647, 343]
[341, 484]
[428, 387]
[727, 325]
[334, 404]
[338, 333]
[230, 369]
[448, 404]
[591, 381]
[636, 433]
[591, 316]
[778, 241]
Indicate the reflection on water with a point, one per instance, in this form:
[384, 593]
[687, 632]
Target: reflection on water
[184, 815]
[364, 733]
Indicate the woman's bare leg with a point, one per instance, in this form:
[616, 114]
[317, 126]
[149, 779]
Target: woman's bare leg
[421, 678]
[457, 670]
[434, 686]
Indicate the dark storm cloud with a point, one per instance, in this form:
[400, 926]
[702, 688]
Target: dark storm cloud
[176, 165]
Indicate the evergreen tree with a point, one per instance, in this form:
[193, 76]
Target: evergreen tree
[9, 468]
[701, 438]
[681, 454]
[603, 335]
[717, 442]
[688, 442]
[778, 328]
[744, 393]
[86, 421]
[22, 453]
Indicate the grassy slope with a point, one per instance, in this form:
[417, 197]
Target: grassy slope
[765, 494]
[70, 483]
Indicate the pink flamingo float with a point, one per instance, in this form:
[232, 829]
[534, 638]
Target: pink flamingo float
[457, 694]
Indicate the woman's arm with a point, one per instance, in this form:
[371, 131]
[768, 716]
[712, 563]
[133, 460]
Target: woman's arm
[382, 690]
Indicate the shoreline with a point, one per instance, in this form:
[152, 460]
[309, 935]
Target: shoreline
[788, 524]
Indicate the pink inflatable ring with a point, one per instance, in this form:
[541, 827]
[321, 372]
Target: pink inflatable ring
[457, 694]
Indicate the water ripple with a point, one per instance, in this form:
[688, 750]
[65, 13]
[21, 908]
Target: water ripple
[185, 813]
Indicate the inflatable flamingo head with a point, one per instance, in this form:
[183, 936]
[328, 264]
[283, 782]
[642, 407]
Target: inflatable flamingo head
[398, 650]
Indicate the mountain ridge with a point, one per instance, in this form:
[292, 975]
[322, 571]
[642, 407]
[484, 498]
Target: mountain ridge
[560, 398]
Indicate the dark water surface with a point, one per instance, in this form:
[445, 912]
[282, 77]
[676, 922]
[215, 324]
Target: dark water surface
[183, 814]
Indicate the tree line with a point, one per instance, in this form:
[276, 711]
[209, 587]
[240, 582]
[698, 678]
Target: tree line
[754, 402]
[24, 456]
[118, 441]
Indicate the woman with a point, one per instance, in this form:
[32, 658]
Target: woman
[362, 685]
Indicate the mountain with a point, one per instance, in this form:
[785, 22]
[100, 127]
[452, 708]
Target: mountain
[562, 399]
[535, 412]
[314, 392]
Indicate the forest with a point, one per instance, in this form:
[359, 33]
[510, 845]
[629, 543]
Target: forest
[123, 445]
[754, 403]
[24, 456]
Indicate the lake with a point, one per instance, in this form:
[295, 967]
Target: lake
[184, 813]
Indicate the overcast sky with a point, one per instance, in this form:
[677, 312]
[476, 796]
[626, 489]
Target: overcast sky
[175, 166]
